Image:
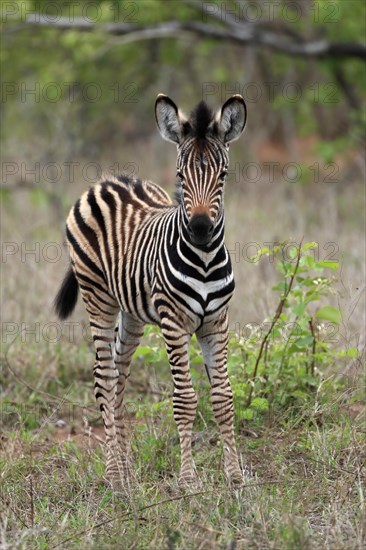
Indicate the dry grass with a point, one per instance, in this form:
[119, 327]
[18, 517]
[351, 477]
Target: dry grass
[307, 491]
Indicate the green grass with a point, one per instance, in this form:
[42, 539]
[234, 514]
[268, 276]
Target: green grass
[55, 495]
[306, 489]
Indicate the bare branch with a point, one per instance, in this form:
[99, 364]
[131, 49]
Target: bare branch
[243, 34]
[274, 321]
[229, 18]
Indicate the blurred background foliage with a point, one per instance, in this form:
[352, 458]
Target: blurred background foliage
[93, 90]
[72, 98]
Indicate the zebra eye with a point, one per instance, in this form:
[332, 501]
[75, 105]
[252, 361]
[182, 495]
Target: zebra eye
[180, 176]
[223, 175]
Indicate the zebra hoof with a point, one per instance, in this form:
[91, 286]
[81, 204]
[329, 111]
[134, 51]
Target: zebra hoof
[236, 478]
[187, 480]
[121, 478]
[123, 487]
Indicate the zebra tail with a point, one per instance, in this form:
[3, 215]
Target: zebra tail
[67, 296]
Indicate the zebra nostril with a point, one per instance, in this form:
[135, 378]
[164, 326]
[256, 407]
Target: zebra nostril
[200, 229]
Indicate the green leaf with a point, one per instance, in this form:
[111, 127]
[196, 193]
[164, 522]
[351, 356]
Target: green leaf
[281, 286]
[330, 264]
[246, 414]
[141, 351]
[304, 341]
[265, 251]
[260, 403]
[309, 261]
[293, 252]
[312, 296]
[329, 313]
[352, 352]
[233, 360]
[294, 349]
[310, 380]
[308, 246]
[299, 309]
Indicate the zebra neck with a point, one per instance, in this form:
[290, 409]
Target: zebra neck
[206, 253]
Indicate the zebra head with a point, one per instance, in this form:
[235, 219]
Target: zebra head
[202, 141]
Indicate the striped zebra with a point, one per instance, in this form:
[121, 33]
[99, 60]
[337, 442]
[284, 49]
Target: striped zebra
[137, 255]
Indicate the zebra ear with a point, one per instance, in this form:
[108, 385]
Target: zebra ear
[169, 119]
[232, 119]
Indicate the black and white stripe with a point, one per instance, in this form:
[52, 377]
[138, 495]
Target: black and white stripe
[137, 255]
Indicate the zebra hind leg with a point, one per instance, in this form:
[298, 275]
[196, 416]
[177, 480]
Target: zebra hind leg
[105, 386]
[127, 339]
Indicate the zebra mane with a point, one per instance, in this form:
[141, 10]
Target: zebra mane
[200, 120]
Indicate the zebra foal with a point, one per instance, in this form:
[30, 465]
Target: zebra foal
[136, 254]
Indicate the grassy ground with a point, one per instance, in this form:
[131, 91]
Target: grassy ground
[306, 487]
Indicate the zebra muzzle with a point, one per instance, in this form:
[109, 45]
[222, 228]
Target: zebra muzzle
[200, 229]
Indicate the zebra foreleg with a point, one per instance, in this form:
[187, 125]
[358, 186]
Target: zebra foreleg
[213, 341]
[128, 338]
[184, 397]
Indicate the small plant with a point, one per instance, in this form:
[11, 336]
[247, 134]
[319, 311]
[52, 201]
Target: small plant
[287, 364]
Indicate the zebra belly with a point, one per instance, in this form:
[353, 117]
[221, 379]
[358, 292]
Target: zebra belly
[135, 296]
